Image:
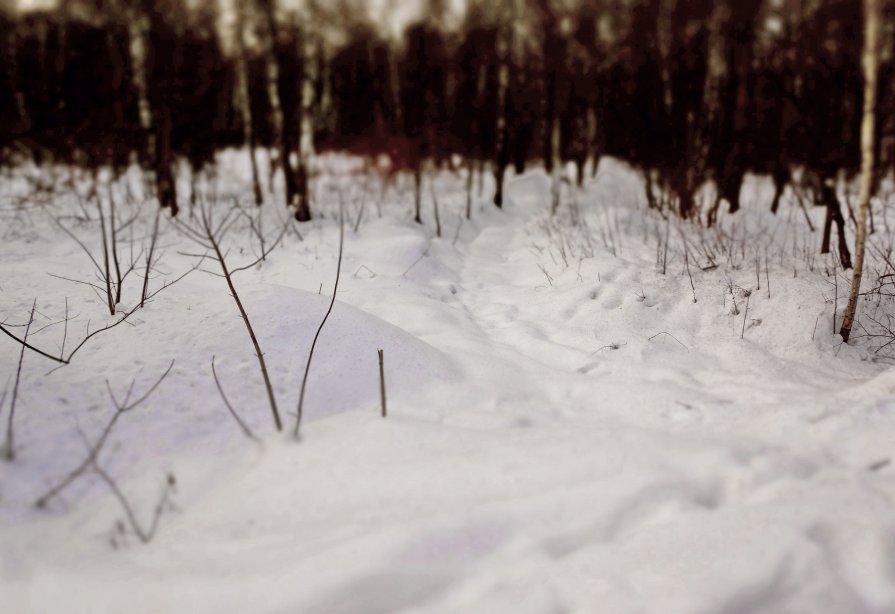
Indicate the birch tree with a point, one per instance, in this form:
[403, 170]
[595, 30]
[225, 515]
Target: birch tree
[11, 65]
[139, 14]
[308, 48]
[243, 98]
[505, 43]
[138, 33]
[870, 62]
[279, 156]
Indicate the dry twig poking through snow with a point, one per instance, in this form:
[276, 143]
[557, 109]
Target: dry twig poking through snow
[9, 446]
[91, 463]
[242, 425]
[304, 379]
[209, 237]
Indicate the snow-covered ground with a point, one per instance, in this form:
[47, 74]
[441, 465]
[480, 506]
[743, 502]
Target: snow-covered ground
[568, 429]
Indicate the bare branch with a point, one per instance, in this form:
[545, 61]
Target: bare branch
[94, 450]
[144, 294]
[144, 535]
[242, 425]
[669, 335]
[266, 252]
[80, 243]
[304, 381]
[77, 281]
[9, 446]
[211, 238]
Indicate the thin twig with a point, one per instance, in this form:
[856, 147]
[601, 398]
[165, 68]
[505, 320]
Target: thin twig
[213, 241]
[381, 354]
[64, 330]
[687, 264]
[242, 425]
[9, 446]
[360, 212]
[304, 380]
[415, 262]
[264, 252]
[435, 205]
[113, 231]
[80, 243]
[5, 390]
[124, 317]
[669, 335]
[144, 535]
[25, 344]
[94, 450]
[457, 232]
[106, 275]
[149, 256]
[368, 269]
[77, 281]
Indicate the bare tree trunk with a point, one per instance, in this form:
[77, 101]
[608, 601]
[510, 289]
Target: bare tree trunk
[648, 190]
[470, 172]
[664, 32]
[306, 126]
[23, 120]
[480, 177]
[556, 155]
[394, 84]
[117, 66]
[165, 184]
[62, 21]
[326, 117]
[279, 156]
[717, 66]
[834, 215]
[828, 229]
[137, 30]
[243, 98]
[503, 83]
[870, 65]
[417, 192]
[435, 205]
[780, 175]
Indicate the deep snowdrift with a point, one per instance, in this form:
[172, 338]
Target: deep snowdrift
[568, 432]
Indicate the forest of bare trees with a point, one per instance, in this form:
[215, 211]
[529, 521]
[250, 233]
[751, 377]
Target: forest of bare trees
[691, 93]
[447, 305]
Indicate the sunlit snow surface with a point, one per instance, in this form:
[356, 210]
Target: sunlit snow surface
[568, 431]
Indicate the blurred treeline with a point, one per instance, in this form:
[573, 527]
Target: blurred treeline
[689, 91]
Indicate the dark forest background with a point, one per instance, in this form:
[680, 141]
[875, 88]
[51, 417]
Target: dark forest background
[689, 92]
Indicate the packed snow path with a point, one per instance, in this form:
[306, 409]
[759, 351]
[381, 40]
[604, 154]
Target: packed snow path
[569, 431]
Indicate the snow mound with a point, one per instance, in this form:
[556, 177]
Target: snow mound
[344, 372]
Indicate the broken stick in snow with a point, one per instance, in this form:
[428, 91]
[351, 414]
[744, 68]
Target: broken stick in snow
[382, 381]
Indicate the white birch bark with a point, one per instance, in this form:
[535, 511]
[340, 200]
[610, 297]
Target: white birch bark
[870, 65]
[243, 100]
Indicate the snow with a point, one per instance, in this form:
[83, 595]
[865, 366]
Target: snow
[568, 430]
